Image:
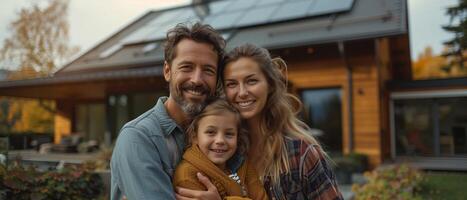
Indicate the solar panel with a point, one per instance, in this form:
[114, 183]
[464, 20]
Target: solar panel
[292, 9]
[267, 2]
[224, 20]
[257, 15]
[138, 35]
[167, 16]
[240, 5]
[329, 6]
[218, 6]
[229, 14]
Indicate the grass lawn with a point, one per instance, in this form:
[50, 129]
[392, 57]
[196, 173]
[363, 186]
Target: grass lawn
[444, 185]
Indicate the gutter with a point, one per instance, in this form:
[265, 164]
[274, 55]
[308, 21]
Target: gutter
[342, 53]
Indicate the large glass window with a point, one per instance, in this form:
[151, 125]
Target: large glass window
[90, 121]
[453, 126]
[413, 125]
[323, 113]
[431, 127]
[125, 107]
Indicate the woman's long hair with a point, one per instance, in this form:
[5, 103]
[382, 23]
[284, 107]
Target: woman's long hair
[279, 116]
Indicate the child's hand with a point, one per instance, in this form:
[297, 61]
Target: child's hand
[210, 194]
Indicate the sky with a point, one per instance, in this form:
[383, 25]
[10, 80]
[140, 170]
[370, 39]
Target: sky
[92, 21]
[425, 20]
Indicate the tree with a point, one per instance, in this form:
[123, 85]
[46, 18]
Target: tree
[458, 26]
[38, 41]
[428, 66]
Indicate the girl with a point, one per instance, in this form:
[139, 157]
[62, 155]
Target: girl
[290, 162]
[217, 146]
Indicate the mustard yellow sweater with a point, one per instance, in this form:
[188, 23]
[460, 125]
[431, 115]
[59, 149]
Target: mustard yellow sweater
[195, 161]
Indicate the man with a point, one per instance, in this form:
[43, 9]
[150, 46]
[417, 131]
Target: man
[149, 147]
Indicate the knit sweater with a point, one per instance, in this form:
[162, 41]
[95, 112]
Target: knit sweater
[195, 161]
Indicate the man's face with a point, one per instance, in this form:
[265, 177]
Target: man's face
[192, 75]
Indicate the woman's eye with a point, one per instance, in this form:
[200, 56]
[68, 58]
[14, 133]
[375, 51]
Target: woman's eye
[210, 132]
[252, 81]
[230, 84]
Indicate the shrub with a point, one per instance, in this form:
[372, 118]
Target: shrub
[397, 182]
[73, 182]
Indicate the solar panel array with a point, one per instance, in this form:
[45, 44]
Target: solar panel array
[229, 14]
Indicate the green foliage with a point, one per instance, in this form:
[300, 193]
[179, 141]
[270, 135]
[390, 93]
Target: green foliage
[69, 183]
[397, 182]
[352, 162]
[458, 44]
[444, 185]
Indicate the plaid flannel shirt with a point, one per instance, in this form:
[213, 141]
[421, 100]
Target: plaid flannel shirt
[310, 175]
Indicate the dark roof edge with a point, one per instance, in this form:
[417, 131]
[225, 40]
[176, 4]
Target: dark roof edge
[427, 84]
[82, 77]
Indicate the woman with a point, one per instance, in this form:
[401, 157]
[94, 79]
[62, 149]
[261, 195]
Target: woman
[290, 162]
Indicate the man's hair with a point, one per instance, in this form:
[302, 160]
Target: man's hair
[198, 32]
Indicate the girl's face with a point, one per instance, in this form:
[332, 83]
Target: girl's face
[217, 137]
[246, 87]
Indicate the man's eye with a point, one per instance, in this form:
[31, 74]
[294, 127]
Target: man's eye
[210, 71]
[185, 68]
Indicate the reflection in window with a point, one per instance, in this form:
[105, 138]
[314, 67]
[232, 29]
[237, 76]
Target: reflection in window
[453, 126]
[414, 127]
[431, 127]
[322, 112]
[90, 121]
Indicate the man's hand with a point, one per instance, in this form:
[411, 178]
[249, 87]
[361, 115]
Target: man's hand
[210, 194]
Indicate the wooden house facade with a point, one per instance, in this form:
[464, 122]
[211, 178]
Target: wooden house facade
[341, 57]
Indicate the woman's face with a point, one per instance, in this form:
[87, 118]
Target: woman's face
[246, 87]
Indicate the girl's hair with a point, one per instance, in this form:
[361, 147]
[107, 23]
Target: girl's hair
[220, 107]
[279, 116]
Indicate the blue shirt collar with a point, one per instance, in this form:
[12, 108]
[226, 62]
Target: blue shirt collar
[168, 125]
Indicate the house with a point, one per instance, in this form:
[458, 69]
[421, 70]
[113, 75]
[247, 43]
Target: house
[348, 60]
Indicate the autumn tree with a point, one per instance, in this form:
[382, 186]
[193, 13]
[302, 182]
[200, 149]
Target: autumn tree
[39, 40]
[457, 46]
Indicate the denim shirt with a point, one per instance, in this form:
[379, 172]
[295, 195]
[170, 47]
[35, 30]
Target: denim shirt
[141, 167]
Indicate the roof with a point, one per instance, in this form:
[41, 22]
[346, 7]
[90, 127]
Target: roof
[427, 84]
[268, 23]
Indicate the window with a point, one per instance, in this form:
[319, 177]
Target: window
[323, 113]
[431, 126]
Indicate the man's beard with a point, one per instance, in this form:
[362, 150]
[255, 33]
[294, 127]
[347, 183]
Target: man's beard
[190, 108]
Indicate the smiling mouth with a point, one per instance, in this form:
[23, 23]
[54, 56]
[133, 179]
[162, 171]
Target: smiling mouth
[218, 150]
[245, 103]
[194, 92]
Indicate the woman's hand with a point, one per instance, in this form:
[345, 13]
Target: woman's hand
[187, 194]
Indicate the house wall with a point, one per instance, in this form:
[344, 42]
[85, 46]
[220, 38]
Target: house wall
[323, 67]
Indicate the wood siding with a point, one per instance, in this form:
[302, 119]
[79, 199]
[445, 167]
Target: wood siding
[329, 70]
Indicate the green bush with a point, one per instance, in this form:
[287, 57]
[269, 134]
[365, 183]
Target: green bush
[397, 182]
[74, 182]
